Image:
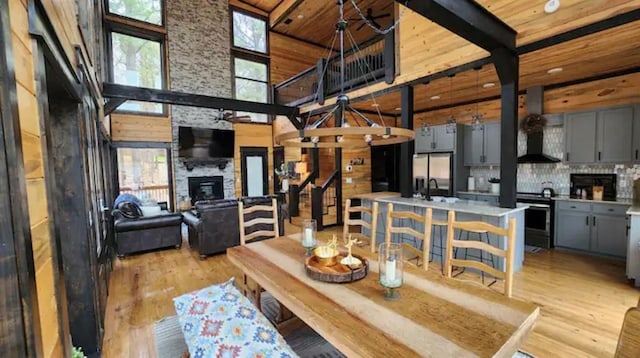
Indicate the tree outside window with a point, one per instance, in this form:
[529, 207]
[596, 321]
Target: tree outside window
[249, 32]
[142, 10]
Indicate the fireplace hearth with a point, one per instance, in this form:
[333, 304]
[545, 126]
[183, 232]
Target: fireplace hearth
[206, 188]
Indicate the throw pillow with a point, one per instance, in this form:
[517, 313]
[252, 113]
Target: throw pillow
[218, 321]
[130, 210]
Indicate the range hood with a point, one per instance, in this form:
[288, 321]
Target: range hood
[534, 140]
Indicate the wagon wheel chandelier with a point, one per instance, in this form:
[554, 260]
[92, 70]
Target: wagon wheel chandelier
[359, 131]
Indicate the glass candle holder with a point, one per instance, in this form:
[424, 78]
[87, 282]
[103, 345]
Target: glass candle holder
[309, 240]
[390, 269]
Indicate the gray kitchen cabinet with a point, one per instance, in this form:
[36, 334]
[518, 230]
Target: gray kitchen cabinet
[636, 134]
[595, 227]
[444, 141]
[580, 137]
[434, 139]
[488, 198]
[609, 234]
[423, 140]
[573, 229]
[615, 135]
[473, 146]
[491, 144]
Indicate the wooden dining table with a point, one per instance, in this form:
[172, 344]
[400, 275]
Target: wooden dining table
[434, 317]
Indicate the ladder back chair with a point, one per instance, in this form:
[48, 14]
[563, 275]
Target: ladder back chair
[373, 212]
[479, 226]
[629, 340]
[252, 289]
[424, 237]
[260, 233]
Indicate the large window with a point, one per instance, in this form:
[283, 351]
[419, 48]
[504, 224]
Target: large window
[250, 61]
[142, 10]
[144, 172]
[136, 47]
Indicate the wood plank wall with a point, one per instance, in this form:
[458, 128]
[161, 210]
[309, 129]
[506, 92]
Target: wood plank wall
[35, 178]
[139, 128]
[63, 18]
[252, 135]
[290, 56]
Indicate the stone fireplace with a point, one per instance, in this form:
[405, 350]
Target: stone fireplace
[206, 188]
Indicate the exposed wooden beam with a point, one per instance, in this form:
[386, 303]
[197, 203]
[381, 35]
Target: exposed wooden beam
[282, 11]
[112, 104]
[469, 20]
[116, 91]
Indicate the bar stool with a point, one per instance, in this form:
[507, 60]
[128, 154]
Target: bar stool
[372, 226]
[482, 234]
[439, 224]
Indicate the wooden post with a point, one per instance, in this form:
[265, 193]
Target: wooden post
[407, 148]
[316, 206]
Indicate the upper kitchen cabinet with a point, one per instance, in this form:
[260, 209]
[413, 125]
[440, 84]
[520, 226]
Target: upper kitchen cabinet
[603, 136]
[434, 139]
[580, 137]
[615, 135]
[636, 135]
[482, 144]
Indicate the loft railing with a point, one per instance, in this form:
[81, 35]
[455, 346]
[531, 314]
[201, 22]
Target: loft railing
[300, 193]
[159, 193]
[323, 198]
[374, 62]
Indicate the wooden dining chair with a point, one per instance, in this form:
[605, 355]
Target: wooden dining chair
[629, 340]
[479, 226]
[424, 236]
[257, 231]
[372, 226]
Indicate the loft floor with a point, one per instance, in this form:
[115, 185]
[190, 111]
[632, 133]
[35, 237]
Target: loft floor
[582, 299]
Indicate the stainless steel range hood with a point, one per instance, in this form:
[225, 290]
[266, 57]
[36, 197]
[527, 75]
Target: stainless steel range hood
[534, 140]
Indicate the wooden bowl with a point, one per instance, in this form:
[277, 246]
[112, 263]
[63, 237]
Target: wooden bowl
[326, 255]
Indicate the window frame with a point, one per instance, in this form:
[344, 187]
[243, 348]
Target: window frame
[124, 18]
[250, 55]
[144, 30]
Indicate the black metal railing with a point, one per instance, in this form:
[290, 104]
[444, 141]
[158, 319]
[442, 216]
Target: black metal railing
[374, 61]
[300, 194]
[322, 198]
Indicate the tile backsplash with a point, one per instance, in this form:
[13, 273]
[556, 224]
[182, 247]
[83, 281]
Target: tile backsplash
[531, 176]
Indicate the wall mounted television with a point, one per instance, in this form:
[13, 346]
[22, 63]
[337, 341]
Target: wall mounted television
[204, 144]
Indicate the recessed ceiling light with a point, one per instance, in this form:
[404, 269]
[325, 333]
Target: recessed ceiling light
[554, 70]
[551, 6]
[301, 16]
[488, 85]
[375, 105]
[436, 97]
[398, 109]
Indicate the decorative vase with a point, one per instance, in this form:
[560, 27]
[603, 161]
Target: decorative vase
[309, 241]
[390, 269]
[285, 185]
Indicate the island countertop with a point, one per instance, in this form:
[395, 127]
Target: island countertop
[374, 196]
[461, 206]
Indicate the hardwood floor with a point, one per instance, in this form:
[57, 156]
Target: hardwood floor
[582, 299]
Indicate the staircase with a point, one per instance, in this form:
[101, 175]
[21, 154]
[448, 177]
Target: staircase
[329, 208]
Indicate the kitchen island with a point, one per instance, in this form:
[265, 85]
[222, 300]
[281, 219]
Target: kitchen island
[466, 210]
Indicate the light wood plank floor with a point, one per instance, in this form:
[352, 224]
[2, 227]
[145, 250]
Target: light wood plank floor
[582, 299]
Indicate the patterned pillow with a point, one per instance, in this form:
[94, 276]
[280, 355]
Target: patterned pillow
[218, 321]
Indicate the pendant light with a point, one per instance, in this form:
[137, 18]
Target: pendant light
[451, 121]
[477, 122]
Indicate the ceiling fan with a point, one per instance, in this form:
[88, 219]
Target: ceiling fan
[222, 115]
[372, 19]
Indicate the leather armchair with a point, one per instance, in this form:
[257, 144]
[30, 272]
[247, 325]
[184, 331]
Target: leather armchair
[147, 233]
[214, 226]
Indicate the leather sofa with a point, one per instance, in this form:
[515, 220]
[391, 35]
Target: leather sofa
[214, 226]
[146, 233]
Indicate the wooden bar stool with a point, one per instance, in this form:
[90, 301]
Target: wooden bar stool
[480, 234]
[472, 226]
[424, 237]
[373, 212]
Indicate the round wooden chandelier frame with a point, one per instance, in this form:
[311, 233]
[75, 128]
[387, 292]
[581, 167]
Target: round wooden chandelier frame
[352, 137]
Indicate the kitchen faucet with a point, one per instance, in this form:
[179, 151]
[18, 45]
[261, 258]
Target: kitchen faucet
[435, 181]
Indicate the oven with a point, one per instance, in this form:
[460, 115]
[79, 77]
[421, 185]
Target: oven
[538, 220]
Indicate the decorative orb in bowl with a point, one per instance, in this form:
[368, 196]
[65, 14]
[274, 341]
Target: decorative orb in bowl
[326, 255]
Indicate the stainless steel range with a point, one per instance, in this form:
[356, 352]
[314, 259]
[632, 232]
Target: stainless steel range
[538, 219]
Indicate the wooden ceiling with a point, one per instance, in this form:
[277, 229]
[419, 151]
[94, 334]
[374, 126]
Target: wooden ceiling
[264, 5]
[314, 20]
[594, 55]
